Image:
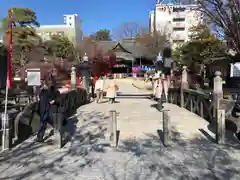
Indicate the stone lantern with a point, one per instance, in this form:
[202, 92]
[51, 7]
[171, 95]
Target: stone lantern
[73, 77]
[84, 69]
[159, 63]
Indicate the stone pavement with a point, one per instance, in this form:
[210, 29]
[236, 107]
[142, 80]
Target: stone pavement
[142, 86]
[140, 154]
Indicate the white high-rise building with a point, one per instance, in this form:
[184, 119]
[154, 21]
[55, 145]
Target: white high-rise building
[71, 28]
[175, 20]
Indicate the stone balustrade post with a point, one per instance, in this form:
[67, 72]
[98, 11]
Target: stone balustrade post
[217, 92]
[171, 83]
[220, 126]
[113, 128]
[58, 116]
[218, 114]
[73, 78]
[184, 84]
[6, 132]
[166, 127]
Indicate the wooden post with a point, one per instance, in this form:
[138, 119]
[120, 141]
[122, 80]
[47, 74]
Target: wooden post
[113, 128]
[57, 124]
[220, 128]
[110, 127]
[201, 109]
[184, 84]
[166, 127]
[6, 132]
[217, 93]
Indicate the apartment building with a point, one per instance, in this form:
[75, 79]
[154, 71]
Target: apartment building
[175, 20]
[71, 28]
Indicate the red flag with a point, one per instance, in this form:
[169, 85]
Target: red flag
[10, 49]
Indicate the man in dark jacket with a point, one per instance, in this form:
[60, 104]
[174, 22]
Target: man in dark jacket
[48, 97]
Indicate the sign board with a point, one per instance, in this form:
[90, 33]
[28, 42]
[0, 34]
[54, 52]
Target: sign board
[34, 77]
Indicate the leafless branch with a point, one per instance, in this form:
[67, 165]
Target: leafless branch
[129, 30]
[225, 18]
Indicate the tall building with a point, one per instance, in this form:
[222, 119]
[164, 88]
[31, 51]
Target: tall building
[175, 20]
[71, 28]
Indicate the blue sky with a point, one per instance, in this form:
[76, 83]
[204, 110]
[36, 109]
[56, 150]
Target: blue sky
[95, 14]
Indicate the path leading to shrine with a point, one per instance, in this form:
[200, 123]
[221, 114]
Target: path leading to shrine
[140, 154]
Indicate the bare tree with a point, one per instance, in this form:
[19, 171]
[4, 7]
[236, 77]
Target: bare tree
[129, 30]
[225, 18]
[85, 46]
[154, 42]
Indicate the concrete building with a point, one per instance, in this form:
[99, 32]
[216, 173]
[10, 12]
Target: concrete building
[72, 28]
[175, 20]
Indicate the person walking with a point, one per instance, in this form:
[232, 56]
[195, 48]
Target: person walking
[48, 97]
[99, 87]
[112, 89]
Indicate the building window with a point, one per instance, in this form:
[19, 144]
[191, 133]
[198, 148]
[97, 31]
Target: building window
[70, 24]
[178, 9]
[178, 19]
[178, 29]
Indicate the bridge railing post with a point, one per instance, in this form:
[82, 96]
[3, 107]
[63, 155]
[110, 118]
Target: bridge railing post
[73, 78]
[58, 114]
[217, 90]
[113, 128]
[166, 127]
[220, 128]
[184, 84]
[217, 93]
[6, 132]
[218, 113]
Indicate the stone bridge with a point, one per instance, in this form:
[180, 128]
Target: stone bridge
[140, 154]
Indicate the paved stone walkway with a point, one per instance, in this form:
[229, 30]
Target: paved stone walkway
[140, 154]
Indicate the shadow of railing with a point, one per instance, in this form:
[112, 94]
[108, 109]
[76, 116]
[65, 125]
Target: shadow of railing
[88, 156]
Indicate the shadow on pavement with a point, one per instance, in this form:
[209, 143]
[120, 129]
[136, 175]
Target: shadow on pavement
[34, 160]
[195, 159]
[88, 156]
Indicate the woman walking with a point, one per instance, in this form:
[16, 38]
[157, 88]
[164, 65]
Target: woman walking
[99, 88]
[112, 89]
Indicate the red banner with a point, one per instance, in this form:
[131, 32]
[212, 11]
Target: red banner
[10, 49]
